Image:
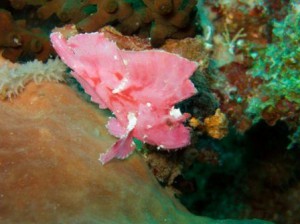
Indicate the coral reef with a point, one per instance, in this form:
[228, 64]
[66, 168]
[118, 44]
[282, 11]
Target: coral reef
[255, 77]
[19, 42]
[216, 125]
[20, 4]
[66, 10]
[277, 98]
[170, 20]
[50, 172]
[233, 90]
[23, 39]
[244, 116]
[9, 37]
[257, 80]
[163, 166]
[14, 77]
[108, 12]
[252, 175]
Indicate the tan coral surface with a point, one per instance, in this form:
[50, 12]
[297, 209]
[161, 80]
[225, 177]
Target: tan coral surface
[50, 140]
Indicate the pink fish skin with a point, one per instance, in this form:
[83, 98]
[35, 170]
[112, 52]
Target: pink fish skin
[139, 87]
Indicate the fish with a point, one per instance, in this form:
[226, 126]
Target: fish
[140, 88]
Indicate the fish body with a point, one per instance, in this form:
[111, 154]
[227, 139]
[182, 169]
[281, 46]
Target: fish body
[139, 87]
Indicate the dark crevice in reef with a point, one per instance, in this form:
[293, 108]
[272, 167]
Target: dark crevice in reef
[255, 177]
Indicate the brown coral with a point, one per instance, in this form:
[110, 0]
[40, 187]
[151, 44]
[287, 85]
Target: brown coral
[108, 11]
[33, 44]
[169, 20]
[9, 36]
[17, 41]
[20, 4]
[65, 10]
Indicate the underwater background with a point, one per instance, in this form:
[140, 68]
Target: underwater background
[241, 161]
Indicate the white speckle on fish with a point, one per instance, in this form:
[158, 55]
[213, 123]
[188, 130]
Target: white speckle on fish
[176, 113]
[121, 86]
[132, 120]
